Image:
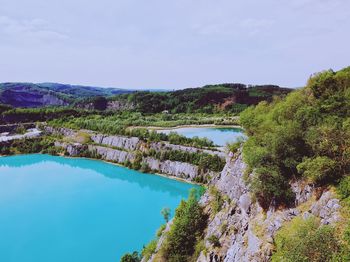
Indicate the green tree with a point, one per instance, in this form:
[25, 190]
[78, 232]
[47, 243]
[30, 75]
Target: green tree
[134, 257]
[188, 226]
[166, 213]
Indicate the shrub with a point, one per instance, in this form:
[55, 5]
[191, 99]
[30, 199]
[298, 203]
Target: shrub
[188, 226]
[306, 240]
[166, 213]
[148, 250]
[317, 169]
[217, 200]
[134, 257]
[343, 188]
[214, 240]
[145, 167]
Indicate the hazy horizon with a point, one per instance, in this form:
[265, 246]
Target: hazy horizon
[131, 44]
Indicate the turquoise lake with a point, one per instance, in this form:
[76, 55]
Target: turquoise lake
[220, 136]
[63, 209]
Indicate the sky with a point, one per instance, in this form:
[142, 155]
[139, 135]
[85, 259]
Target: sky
[172, 44]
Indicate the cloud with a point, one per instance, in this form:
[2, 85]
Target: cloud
[37, 30]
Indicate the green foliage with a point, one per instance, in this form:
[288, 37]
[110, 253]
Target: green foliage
[214, 241]
[217, 200]
[233, 147]
[166, 213]
[134, 257]
[148, 250]
[306, 240]
[200, 247]
[145, 167]
[188, 226]
[317, 169]
[305, 135]
[232, 98]
[23, 115]
[160, 230]
[30, 145]
[20, 130]
[343, 188]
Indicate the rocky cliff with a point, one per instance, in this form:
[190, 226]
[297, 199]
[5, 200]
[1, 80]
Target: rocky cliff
[246, 232]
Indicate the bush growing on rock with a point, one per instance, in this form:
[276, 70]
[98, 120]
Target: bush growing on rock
[306, 240]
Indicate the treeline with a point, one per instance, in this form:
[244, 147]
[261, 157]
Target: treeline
[10, 115]
[306, 135]
[43, 145]
[232, 98]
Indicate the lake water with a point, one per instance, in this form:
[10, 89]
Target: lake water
[67, 210]
[220, 136]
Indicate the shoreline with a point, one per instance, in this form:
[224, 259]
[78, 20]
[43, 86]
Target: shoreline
[113, 163]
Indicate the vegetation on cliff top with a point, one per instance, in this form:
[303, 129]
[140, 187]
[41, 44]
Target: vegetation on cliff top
[306, 135]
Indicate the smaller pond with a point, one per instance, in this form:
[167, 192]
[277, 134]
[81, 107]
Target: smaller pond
[219, 135]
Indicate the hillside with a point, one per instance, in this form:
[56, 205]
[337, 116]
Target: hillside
[50, 94]
[208, 99]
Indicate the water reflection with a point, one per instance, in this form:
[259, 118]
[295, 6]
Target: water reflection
[150, 181]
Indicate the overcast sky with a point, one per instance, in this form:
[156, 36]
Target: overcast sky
[172, 44]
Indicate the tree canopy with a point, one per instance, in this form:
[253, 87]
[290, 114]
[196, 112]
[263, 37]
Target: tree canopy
[305, 135]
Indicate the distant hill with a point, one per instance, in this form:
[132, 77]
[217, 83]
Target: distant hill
[208, 99]
[50, 94]
[211, 98]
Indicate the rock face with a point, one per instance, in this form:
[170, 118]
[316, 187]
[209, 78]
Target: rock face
[245, 232]
[173, 168]
[167, 146]
[12, 127]
[119, 105]
[113, 155]
[128, 143]
[59, 131]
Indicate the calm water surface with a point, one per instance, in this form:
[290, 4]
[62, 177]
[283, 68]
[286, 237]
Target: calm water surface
[60, 209]
[220, 136]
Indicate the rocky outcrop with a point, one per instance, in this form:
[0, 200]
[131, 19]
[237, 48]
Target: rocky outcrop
[59, 131]
[72, 149]
[30, 133]
[119, 105]
[128, 143]
[158, 146]
[113, 155]
[26, 97]
[173, 168]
